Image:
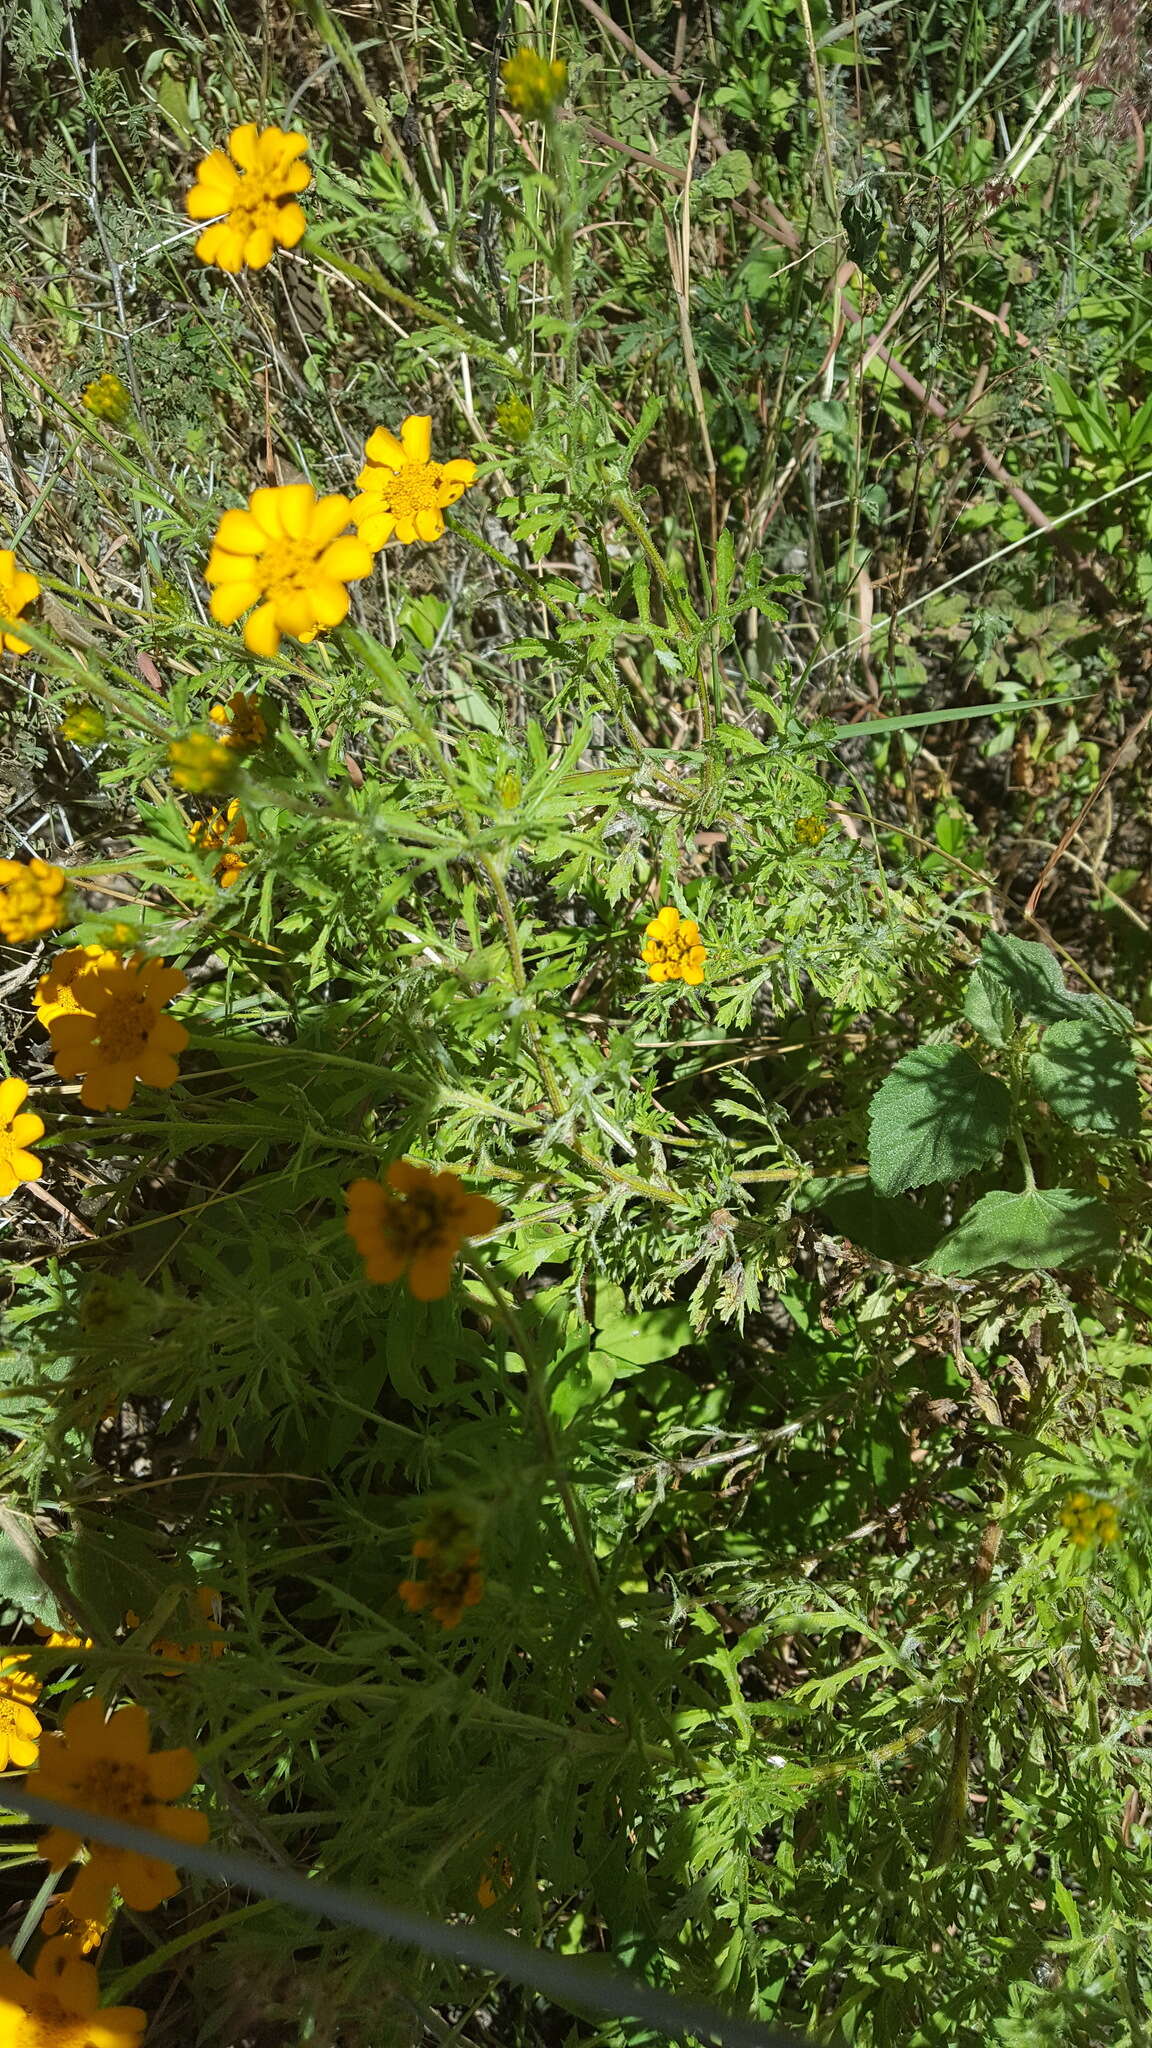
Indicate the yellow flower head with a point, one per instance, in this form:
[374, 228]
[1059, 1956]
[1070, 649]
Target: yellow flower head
[515, 419]
[19, 1728]
[674, 952]
[205, 1606]
[415, 1224]
[199, 763]
[255, 194]
[58, 2006]
[122, 1036]
[18, 589]
[497, 1871]
[534, 86]
[60, 992]
[809, 830]
[53, 1639]
[242, 723]
[16, 1133]
[288, 554]
[84, 724]
[105, 1765]
[32, 899]
[1089, 1521]
[67, 1917]
[108, 398]
[446, 1589]
[222, 833]
[402, 491]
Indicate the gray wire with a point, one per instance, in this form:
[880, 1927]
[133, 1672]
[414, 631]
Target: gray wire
[570, 1982]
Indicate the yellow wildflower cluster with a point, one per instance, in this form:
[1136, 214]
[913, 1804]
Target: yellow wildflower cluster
[446, 1545]
[199, 763]
[673, 951]
[249, 196]
[534, 86]
[415, 1224]
[809, 830]
[18, 589]
[1089, 1521]
[84, 725]
[242, 724]
[33, 899]
[222, 833]
[108, 399]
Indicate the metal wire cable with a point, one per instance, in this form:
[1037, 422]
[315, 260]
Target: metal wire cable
[570, 1981]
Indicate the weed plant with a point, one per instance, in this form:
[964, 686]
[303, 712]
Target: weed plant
[590, 1354]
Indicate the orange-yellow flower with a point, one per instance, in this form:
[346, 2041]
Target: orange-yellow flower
[106, 1766]
[243, 726]
[446, 1589]
[32, 899]
[60, 992]
[17, 1132]
[289, 555]
[80, 1914]
[58, 2006]
[122, 1035]
[18, 589]
[402, 491]
[53, 1639]
[205, 1604]
[415, 1223]
[19, 1727]
[674, 952]
[255, 193]
[222, 833]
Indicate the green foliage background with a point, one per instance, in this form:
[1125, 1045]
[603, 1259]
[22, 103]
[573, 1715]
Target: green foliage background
[819, 1288]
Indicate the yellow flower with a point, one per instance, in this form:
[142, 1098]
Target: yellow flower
[32, 899]
[18, 589]
[1089, 1521]
[222, 833]
[60, 992]
[403, 492]
[254, 193]
[416, 1224]
[497, 1871]
[534, 86]
[514, 419]
[106, 1766]
[79, 1916]
[108, 398]
[19, 1728]
[84, 724]
[122, 1036]
[52, 1639]
[205, 1606]
[198, 763]
[809, 830]
[58, 2006]
[289, 549]
[17, 1132]
[446, 1589]
[243, 726]
[674, 952]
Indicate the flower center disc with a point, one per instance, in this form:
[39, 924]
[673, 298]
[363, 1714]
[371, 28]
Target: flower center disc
[124, 1027]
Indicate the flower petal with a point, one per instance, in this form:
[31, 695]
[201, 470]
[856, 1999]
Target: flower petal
[429, 523]
[347, 559]
[227, 603]
[289, 225]
[264, 505]
[240, 534]
[244, 145]
[430, 1276]
[258, 248]
[329, 518]
[416, 437]
[383, 447]
[261, 633]
[297, 504]
[330, 601]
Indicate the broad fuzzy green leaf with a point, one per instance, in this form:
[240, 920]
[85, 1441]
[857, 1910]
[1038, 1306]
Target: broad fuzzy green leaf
[936, 1117]
[1088, 1075]
[1045, 1228]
